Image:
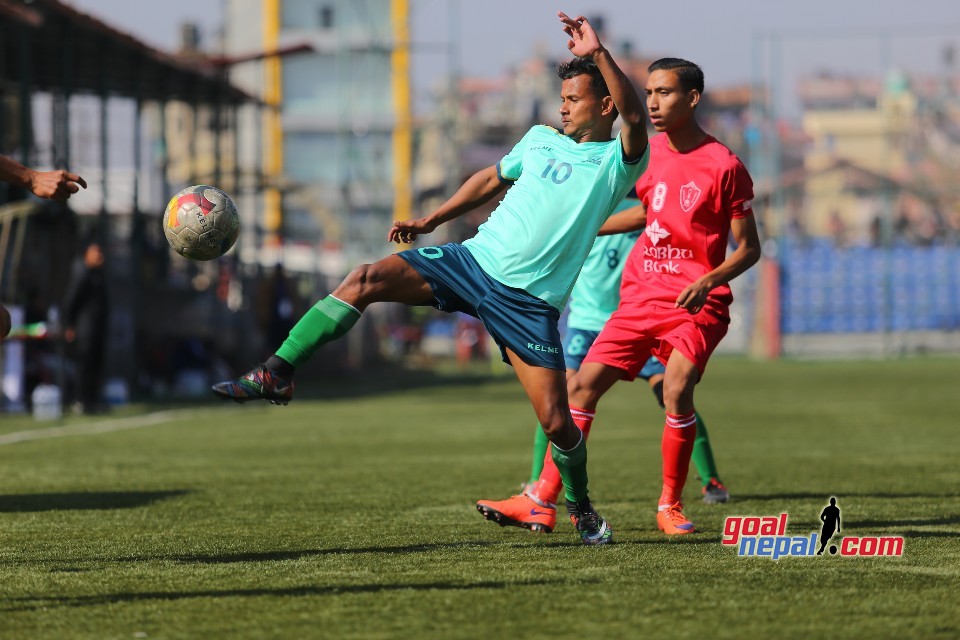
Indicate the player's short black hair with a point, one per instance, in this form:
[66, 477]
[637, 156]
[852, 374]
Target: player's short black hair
[585, 67]
[690, 74]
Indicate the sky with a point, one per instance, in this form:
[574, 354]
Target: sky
[841, 36]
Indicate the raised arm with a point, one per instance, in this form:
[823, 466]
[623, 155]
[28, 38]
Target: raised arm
[744, 231]
[55, 185]
[584, 42]
[481, 187]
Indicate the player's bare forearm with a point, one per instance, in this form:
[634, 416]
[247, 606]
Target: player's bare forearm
[632, 112]
[747, 253]
[55, 185]
[630, 219]
[15, 173]
[481, 187]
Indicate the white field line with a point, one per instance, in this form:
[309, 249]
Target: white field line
[93, 428]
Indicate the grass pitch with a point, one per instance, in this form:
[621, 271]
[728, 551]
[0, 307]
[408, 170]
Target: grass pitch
[351, 515]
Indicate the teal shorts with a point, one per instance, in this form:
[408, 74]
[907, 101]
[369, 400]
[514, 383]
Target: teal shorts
[516, 320]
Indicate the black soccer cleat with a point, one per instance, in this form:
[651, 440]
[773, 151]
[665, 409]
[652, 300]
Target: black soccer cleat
[593, 529]
[258, 383]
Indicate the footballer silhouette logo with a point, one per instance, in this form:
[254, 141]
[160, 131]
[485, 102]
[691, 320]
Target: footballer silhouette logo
[767, 537]
[830, 517]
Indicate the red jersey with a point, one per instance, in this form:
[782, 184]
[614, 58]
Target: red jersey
[690, 200]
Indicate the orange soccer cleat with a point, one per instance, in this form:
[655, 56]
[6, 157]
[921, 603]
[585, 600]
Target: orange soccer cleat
[672, 521]
[520, 511]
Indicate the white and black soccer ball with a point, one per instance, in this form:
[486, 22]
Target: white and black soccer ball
[201, 222]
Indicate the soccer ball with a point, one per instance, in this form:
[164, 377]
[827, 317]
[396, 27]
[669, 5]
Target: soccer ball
[201, 222]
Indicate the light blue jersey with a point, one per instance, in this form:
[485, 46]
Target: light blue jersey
[597, 292]
[539, 235]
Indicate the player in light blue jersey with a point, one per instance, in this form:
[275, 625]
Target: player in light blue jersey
[525, 244]
[516, 274]
[596, 295]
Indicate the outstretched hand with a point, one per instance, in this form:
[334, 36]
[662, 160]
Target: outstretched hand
[55, 185]
[584, 41]
[406, 231]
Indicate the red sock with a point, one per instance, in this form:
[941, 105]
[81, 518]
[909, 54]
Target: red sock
[548, 487]
[679, 432]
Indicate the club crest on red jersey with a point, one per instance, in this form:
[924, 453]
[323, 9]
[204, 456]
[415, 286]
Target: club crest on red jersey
[689, 194]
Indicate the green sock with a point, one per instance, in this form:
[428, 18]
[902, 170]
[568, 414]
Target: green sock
[572, 465]
[324, 322]
[703, 454]
[540, 443]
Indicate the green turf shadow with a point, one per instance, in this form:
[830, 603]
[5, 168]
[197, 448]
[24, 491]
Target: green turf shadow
[31, 603]
[82, 501]
[296, 554]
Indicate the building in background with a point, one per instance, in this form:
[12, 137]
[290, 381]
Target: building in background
[869, 223]
[336, 148]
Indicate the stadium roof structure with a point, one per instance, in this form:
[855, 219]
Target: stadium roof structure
[49, 45]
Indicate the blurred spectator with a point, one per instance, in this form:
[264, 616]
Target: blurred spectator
[837, 229]
[953, 225]
[876, 230]
[901, 225]
[55, 185]
[85, 318]
[194, 367]
[4, 322]
[796, 230]
[920, 223]
[278, 308]
[471, 339]
[36, 352]
[930, 228]
[403, 332]
[406, 331]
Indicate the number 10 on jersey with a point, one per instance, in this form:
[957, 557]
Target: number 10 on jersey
[560, 172]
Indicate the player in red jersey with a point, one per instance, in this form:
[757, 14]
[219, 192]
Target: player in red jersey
[674, 298]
